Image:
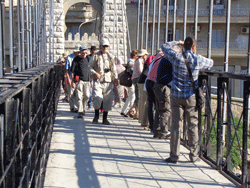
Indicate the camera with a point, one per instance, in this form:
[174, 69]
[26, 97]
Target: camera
[106, 70]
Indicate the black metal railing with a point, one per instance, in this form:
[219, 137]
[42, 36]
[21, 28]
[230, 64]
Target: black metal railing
[27, 113]
[223, 136]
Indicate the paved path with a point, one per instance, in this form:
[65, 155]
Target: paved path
[120, 155]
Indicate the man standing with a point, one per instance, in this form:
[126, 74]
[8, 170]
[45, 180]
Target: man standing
[71, 93]
[183, 95]
[102, 67]
[162, 91]
[92, 52]
[81, 79]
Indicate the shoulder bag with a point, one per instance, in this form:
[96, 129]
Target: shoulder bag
[199, 94]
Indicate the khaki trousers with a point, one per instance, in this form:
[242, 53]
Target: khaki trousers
[102, 92]
[72, 98]
[187, 106]
[83, 94]
[130, 100]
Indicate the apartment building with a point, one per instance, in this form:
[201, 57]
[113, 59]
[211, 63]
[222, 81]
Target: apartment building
[239, 29]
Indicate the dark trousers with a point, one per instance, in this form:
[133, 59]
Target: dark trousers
[162, 109]
[151, 101]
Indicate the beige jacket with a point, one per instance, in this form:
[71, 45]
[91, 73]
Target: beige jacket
[96, 65]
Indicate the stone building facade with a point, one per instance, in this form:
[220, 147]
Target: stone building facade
[113, 25]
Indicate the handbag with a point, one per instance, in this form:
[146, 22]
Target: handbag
[126, 79]
[199, 94]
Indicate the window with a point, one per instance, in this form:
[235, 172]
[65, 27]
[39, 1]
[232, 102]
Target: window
[217, 39]
[73, 30]
[171, 4]
[218, 2]
[170, 35]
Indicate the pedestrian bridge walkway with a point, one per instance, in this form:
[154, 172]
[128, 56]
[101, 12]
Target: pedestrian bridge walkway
[119, 155]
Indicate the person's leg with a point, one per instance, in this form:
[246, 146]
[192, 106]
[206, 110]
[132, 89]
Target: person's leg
[79, 97]
[151, 101]
[108, 97]
[86, 95]
[177, 114]
[71, 99]
[97, 99]
[162, 95]
[129, 101]
[135, 83]
[192, 121]
[140, 88]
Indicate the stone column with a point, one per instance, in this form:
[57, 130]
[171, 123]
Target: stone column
[58, 26]
[114, 27]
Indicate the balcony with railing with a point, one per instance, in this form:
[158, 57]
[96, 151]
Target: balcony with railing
[218, 13]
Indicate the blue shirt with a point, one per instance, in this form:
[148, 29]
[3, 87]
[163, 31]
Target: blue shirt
[68, 63]
[182, 86]
[164, 72]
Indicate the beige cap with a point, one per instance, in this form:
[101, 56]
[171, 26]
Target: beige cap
[142, 52]
[105, 42]
[76, 48]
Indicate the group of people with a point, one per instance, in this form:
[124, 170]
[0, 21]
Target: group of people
[161, 90]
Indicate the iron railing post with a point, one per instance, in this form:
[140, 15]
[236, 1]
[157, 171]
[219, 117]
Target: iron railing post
[167, 15]
[220, 82]
[153, 29]
[245, 132]
[1, 38]
[174, 20]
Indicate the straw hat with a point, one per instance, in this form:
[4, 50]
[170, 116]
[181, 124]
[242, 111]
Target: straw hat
[142, 52]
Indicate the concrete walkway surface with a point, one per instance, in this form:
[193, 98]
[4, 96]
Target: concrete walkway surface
[119, 155]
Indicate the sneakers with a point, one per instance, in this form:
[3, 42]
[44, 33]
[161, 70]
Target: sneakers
[169, 160]
[105, 122]
[95, 120]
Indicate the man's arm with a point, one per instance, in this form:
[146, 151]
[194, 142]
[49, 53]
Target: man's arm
[91, 67]
[204, 62]
[168, 52]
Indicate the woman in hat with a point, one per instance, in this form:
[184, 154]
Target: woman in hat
[138, 67]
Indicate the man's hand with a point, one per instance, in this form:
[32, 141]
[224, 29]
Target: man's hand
[73, 85]
[97, 75]
[116, 82]
[91, 83]
[69, 81]
[180, 42]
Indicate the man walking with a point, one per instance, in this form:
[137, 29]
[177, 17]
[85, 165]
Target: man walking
[71, 93]
[81, 79]
[183, 95]
[102, 67]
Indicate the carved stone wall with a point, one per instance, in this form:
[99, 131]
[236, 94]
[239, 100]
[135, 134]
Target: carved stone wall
[114, 27]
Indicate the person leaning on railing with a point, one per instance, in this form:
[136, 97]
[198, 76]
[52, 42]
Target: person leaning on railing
[183, 95]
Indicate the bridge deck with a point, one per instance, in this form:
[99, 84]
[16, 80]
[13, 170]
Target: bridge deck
[119, 155]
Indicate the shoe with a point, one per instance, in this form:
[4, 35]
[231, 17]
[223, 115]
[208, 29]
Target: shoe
[169, 160]
[131, 113]
[73, 110]
[80, 115]
[136, 116]
[95, 120]
[197, 160]
[124, 114]
[105, 122]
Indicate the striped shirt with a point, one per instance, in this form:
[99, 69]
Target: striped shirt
[182, 86]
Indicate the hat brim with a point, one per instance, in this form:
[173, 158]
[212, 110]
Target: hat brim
[142, 54]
